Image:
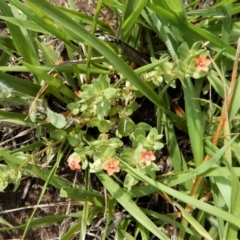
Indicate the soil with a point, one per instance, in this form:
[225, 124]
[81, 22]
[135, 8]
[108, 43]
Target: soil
[17, 207]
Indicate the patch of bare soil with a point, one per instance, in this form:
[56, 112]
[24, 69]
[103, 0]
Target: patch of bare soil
[16, 208]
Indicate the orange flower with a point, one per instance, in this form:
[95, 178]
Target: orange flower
[147, 157]
[73, 162]
[202, 63]
[111, 166]
[77, 93]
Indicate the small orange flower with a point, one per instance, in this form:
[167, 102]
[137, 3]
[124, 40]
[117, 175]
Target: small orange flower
[147, 157]
[111, 166]
[73, 162]
[77, 93]
[202, 63]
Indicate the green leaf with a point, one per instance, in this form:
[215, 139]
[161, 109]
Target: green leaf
[110, 93]
[235, 103]
[125, 200]
[132, 12]
[56, 119]
[104, 126]
[102, 108]
[16, 118]
[19, 85]
[58, 134]
[129, 181]
[115, 143]
[194, 120]
[80, 194]
[194, 223]
[39, 222]
[126, 127]
[144, 126]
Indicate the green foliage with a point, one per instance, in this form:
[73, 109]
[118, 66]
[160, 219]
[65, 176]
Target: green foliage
[90, 114]
[9, 175]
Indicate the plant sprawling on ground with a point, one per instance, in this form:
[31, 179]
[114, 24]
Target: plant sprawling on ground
[108, 97]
